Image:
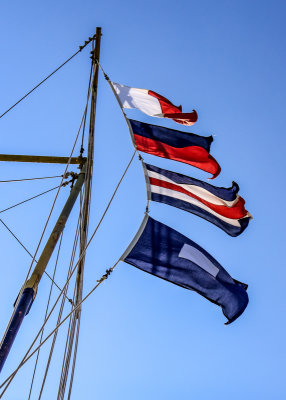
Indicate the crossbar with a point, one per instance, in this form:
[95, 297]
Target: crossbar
[42, 159]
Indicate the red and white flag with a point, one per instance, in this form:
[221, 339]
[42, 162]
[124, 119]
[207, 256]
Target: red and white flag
[152, 103]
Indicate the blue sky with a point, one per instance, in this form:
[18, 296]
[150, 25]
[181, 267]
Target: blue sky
[142, 338]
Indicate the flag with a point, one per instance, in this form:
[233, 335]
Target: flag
[176, 145]
[167, 254]
[152, 103]
[221, 206]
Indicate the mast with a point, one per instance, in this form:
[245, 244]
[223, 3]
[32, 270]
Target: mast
[76, 318]
[90, 153]
[28, 293]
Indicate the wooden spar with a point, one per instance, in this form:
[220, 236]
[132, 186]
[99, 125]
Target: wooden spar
[72, 340]
[42, 159]
[24, 303]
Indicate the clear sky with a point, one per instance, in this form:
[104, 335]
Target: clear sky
[141, 337]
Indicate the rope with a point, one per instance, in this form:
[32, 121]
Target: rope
[47, 77]
[83, 129]
[76, 238]
[46, 224]
[27, 251]
[78, 321]
[61, 306]
[31, 179]
[74, 360]
[99, 282]
[71, 321]
[24, 359]
[66, 361]
[46, 312]
[76, 318]
[74, 324]
[31, 198]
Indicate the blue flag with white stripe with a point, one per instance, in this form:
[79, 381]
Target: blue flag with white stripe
[167, 254]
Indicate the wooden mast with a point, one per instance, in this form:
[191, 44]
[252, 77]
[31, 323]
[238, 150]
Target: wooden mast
[28, 294]
[90, 152]
[73, 342]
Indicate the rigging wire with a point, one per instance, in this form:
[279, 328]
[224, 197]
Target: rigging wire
[62, 303]
[66, 360]
[46, 224]
[74, 360]
[25, 359]
[84, 117]
[30, 198]
[31, 179]
[47, 77]
[78, 321]
[27, 356]
[70, 333]
[84, 122]
[46, 313]
[66, 174]
[27, 251]
[99, 282]
[75, 319]
[85, 198]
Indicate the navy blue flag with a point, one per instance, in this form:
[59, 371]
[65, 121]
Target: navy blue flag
[167, 254]
[221, 206]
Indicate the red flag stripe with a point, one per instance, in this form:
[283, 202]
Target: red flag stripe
[235, 212]
[192, 155]
[184, 118]
[173, 112]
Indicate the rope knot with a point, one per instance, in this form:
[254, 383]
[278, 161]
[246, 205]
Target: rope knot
[108, 272]
[105, 276]
[74, 176]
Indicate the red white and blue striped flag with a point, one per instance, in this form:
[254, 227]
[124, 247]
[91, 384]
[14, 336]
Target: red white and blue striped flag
[176, 145]
[220, 206]
[152, 103]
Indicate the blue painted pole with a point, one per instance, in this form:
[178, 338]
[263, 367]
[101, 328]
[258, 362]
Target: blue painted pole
[22, 310]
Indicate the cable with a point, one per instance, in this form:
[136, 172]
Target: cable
[88, 92]
[31, 179]
[45, 226]
[27, 251]
[11, 376]
[62, 304]
[99, 282]
[31, 198]
[52, 73]
[46, 312]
